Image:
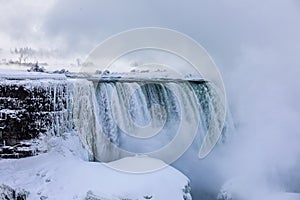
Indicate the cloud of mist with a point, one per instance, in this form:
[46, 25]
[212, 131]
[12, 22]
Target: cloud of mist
[265, 95]
[21, 23]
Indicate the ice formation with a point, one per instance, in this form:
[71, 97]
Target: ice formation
[117, 119]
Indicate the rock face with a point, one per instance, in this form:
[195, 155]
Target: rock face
[29, 108]
[8, 193]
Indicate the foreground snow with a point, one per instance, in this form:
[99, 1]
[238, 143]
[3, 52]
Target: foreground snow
[63, 174]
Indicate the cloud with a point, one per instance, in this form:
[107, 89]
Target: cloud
[21, 22]
[223, 27]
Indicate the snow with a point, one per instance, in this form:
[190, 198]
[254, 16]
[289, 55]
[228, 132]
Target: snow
[21, 75]
[136, 76]
[125, 76]
[137, 164]
[62, 173]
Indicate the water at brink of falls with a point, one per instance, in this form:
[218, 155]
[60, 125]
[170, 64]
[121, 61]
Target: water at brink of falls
[143, 117]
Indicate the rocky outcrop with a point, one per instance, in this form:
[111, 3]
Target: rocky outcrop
[29, 108]
[22, 149]
[8, 193]
[91, 196]
[187, 192]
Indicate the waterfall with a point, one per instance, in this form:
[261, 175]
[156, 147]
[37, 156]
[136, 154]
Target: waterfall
[86, 121]
[117, 119]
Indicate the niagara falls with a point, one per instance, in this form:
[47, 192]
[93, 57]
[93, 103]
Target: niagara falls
[149, 100]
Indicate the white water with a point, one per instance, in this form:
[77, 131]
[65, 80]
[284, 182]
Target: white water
[86, 121]
[164, 120]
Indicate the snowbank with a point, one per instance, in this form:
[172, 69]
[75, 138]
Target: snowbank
[21, 75]
[62, 174]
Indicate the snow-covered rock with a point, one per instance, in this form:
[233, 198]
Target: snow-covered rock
[24, 75]
[63, 174]
[29, 108]
[8, 193]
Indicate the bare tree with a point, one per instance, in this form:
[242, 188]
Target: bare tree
[24, 53]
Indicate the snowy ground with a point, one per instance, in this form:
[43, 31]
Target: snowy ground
[62, 174]
[21, 75]
[17, 74]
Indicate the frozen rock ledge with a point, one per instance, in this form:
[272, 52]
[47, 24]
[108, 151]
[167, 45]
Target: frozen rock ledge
[8, 193]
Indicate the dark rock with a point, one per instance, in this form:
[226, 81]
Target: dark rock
[31, 108]
[48, 180]
[91, 196]
[62, 71]
[106, 72]
[21, 194]
[36, 68]
[8, 193]
[187, 192]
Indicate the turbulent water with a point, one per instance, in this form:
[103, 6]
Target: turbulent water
[166, 120]
[116, 119]
[86, 120]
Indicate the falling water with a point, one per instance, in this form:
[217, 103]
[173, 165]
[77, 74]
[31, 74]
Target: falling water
[117, 119]
[86, 121]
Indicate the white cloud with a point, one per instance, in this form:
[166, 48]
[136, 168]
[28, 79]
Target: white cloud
[21, 22]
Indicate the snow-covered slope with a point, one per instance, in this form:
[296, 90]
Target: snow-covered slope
[62, 174]
[22, 75]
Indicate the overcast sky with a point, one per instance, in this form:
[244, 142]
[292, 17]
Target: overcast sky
[224, 28]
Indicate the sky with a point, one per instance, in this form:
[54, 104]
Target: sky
[224, 28]
[254, 43]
